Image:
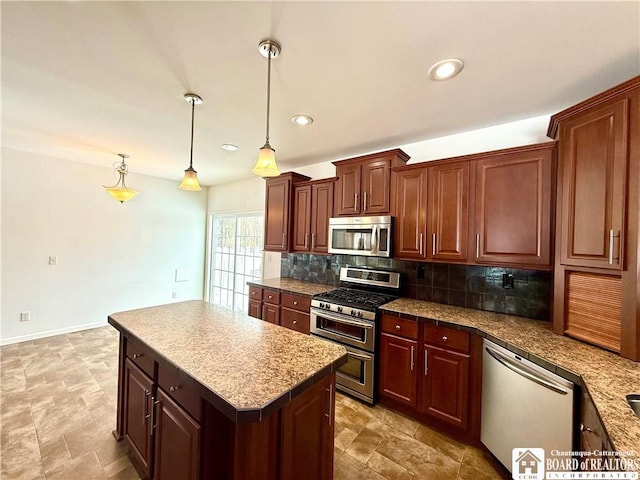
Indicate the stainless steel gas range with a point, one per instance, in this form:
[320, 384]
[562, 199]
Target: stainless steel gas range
[349, 316]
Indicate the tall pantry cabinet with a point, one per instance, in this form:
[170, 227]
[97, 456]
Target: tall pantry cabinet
[596, 263]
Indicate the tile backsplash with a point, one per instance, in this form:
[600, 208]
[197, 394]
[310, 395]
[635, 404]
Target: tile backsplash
[470, 286]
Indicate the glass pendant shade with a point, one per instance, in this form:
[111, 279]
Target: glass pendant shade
[120, 191]
[266, 164]
[190, 181]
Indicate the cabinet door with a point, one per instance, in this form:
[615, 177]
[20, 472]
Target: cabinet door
[410, 207]
[255, 308]
[398, 377]
[321, 211]
[512, 208]
[348, 189]
[307, 433]
[137, 413]
[593, 157]
[271, 313]
[375, 187]
[177, 442]
[301, 219]
[444, 385]
[276, 215]
[448, 211]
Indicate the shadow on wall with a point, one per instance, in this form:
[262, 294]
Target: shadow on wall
[461, 285]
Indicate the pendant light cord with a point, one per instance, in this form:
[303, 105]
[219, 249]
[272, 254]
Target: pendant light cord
[268, 92]
[193, 107]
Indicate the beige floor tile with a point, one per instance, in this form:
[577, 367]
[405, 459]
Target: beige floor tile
[388, 468]
[476, 467]
[82, 468]
[353, 417]
[397, 421]
[367, 441]
[444, 444]
[348, 468]
[344, 438]
[55, 454]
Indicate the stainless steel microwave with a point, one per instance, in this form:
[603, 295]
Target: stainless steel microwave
[370, 236]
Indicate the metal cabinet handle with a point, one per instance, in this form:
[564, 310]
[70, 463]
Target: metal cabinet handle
[365, 202]
[433, 244]
[174, 388]
[397, 327]
[355, 201]
[154, 403]
[146, 404]
[420, 239]
[477, 245]
[329, 415]
[295, 302]
[306, 238]
[413, 349]
[445, 338]
[270, 297]
[313, 241]
[284, 237]
[584, 428]
[295, 322]
[426, 361]
[612, 236]
[137, 355]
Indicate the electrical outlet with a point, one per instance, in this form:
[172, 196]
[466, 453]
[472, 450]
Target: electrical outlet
[174, 295]
[53, 260]
[25, 316]
[507, 280]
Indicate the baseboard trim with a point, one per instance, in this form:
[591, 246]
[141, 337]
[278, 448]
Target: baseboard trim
[50, 333]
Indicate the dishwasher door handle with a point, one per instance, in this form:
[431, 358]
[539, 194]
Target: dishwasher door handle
[507, 362]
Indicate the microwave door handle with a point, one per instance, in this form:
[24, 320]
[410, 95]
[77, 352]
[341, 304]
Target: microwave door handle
[375, 232]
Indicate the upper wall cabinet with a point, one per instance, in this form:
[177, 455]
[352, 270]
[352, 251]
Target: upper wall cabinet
[278, 216]
[512, 198]
[363, 183]
[313, 206]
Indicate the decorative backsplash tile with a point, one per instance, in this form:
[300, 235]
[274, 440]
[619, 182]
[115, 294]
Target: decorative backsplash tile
[462, 285]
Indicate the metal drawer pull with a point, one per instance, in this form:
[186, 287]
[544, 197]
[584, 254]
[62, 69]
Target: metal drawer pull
[329, 415]
[295, 322]
[137, 355]
[173, 389]
[295, 302]
[397, 327]
[445, 338]
[413, 349]
[270, 297]
[584, 428]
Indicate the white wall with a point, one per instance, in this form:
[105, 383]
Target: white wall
[111, 256]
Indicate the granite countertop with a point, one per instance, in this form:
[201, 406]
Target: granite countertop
[607, 376]
[291, 285]
[251, 367]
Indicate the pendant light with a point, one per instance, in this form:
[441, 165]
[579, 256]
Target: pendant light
[266, 164]
[120, 191]
[190, 180]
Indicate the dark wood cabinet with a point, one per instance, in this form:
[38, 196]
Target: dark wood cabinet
[592, 435]
[255, 308]
[363, 186]
[278, 219]
[137, 407]
[307, 437]
[398, 359]
[445, 385]
[597, 267]
[512, 197]
[177, 442]
[410, 210]
[294, 312]
[271, 313]
[447, 226]
[313, 207]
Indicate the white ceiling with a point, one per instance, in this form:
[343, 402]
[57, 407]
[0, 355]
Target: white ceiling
[87, 80]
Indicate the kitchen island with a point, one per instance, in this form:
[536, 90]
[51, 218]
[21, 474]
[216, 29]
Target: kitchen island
[206, 393]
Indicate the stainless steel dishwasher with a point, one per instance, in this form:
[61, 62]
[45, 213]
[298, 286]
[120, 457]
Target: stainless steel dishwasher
[523, 405]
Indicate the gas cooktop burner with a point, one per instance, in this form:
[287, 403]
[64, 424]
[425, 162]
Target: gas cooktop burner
[353, 297]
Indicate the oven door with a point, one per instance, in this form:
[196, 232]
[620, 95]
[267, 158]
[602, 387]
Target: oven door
[343, 329]
[356, 376]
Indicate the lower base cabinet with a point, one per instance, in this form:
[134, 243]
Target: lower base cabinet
[175, 434]
[398, 377]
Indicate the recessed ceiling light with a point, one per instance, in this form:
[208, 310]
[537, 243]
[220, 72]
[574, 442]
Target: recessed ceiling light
[229, 147]
[446, 69]
[301, 119]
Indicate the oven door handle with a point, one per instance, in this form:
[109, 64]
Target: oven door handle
[342, 319]
[374, 239]
[358, 356]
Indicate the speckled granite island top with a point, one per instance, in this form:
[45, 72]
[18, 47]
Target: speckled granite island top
[252, 366]
[607, 376]
[291, 285]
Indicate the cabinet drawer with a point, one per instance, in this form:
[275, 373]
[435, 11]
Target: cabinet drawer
[447, 338]
[295, 302]
[255, 293]
[141, 356]
[295, 320]
[180, 389]
[400, 326]
[271, 296]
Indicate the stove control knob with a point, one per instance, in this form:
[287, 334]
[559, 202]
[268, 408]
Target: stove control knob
[327, 306]
[321, 305]
[353, 313]
[360, 314]
[339, 309]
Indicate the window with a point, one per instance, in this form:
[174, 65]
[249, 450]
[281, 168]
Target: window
[236, 258]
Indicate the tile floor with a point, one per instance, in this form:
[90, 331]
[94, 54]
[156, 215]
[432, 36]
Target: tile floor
[57, 410]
